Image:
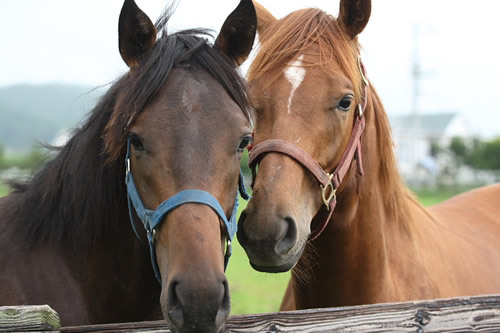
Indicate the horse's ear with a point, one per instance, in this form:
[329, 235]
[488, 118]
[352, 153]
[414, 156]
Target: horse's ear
[136, 33]
[354, 15]
[238, 32]
[264, 19]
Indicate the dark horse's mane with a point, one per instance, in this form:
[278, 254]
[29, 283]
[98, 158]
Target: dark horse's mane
[79, 193]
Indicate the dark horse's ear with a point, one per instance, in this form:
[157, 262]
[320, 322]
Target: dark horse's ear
[354, 15]
[136, 33]
[238, 32]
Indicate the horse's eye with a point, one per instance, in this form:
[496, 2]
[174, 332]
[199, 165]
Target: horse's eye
[345, 103]
[136, 142]
[244, 143]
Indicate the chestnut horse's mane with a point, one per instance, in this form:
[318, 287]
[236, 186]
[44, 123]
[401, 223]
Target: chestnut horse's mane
[282, 42]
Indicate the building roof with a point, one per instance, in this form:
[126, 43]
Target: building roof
[432, 124]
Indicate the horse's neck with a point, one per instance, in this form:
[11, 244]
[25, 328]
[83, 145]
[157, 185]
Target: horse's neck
[351, 262]
[122, 267]
[88, 226]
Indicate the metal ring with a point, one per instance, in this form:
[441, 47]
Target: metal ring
[332, 194]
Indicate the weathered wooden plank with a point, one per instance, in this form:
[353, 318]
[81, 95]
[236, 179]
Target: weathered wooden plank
[28, 318]
[158, 326]
[464, 314]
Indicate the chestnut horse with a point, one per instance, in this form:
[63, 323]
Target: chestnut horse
[318, 120]
[178, 121]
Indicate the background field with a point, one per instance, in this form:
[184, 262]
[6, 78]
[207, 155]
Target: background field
[255, 292]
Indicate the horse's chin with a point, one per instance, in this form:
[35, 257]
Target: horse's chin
[284, 266]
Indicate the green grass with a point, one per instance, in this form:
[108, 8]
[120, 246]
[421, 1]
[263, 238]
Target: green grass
[428, 197]
[252, 291]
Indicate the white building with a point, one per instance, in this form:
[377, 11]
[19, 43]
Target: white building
[416, 135]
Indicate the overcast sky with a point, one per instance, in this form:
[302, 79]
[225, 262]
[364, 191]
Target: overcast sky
[458, 50]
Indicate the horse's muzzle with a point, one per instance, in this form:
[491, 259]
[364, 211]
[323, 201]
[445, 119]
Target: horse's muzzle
[190, 308]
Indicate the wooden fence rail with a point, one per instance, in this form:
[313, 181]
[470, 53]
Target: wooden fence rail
[463, 314]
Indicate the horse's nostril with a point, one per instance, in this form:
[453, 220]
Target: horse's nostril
[174, 305]
[287, 242]
[183, 305]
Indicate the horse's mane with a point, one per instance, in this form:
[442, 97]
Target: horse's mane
[81, 192]
[295, 34]
[396, 196]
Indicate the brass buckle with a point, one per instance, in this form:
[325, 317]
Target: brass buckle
[332, 192]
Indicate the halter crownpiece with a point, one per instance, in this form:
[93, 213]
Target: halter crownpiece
[328, 182]
[151, 219]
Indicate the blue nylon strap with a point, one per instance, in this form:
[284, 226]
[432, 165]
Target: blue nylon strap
[151, 219]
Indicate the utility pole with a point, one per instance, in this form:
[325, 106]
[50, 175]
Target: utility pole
[416, 74]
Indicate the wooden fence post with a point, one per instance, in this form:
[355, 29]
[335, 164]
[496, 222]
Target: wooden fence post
[28, 318]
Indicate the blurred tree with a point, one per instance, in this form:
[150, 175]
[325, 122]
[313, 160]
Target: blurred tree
[491, 154]
[459, 149]
[478, 154]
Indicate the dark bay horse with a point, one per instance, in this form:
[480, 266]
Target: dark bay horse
[324, 154]
[178, 120]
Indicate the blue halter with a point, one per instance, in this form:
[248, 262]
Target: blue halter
[152, 218]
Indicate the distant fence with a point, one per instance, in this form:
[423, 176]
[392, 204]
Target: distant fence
[463, 314]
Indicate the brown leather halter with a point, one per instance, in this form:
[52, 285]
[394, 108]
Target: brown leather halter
[328, 182]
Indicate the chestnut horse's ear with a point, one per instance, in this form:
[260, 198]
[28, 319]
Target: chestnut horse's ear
[264, 19]
[238, 32]
[354, 15]
[136, 33]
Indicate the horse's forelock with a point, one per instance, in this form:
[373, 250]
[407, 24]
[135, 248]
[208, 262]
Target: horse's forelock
[296, 33]
[190, 49]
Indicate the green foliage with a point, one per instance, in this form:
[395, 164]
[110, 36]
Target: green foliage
[488, 155]
[476, 153]
[459, 149]
[30, 161]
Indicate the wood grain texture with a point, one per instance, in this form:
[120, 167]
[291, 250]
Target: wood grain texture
[463, 314]
[28, 318]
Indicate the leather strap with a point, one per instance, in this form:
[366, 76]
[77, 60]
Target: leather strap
[151, 219]
[329, 183]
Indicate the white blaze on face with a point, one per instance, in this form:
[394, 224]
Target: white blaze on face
[295, 75]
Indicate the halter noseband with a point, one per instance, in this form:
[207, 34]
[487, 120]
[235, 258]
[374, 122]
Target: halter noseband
[152, 218]
[328, 182]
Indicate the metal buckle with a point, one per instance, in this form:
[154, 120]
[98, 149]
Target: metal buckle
[332, 192]
[152, 235]
[127, 171]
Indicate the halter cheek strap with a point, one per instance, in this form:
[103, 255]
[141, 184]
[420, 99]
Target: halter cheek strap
[151, 219]
[328, 182]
